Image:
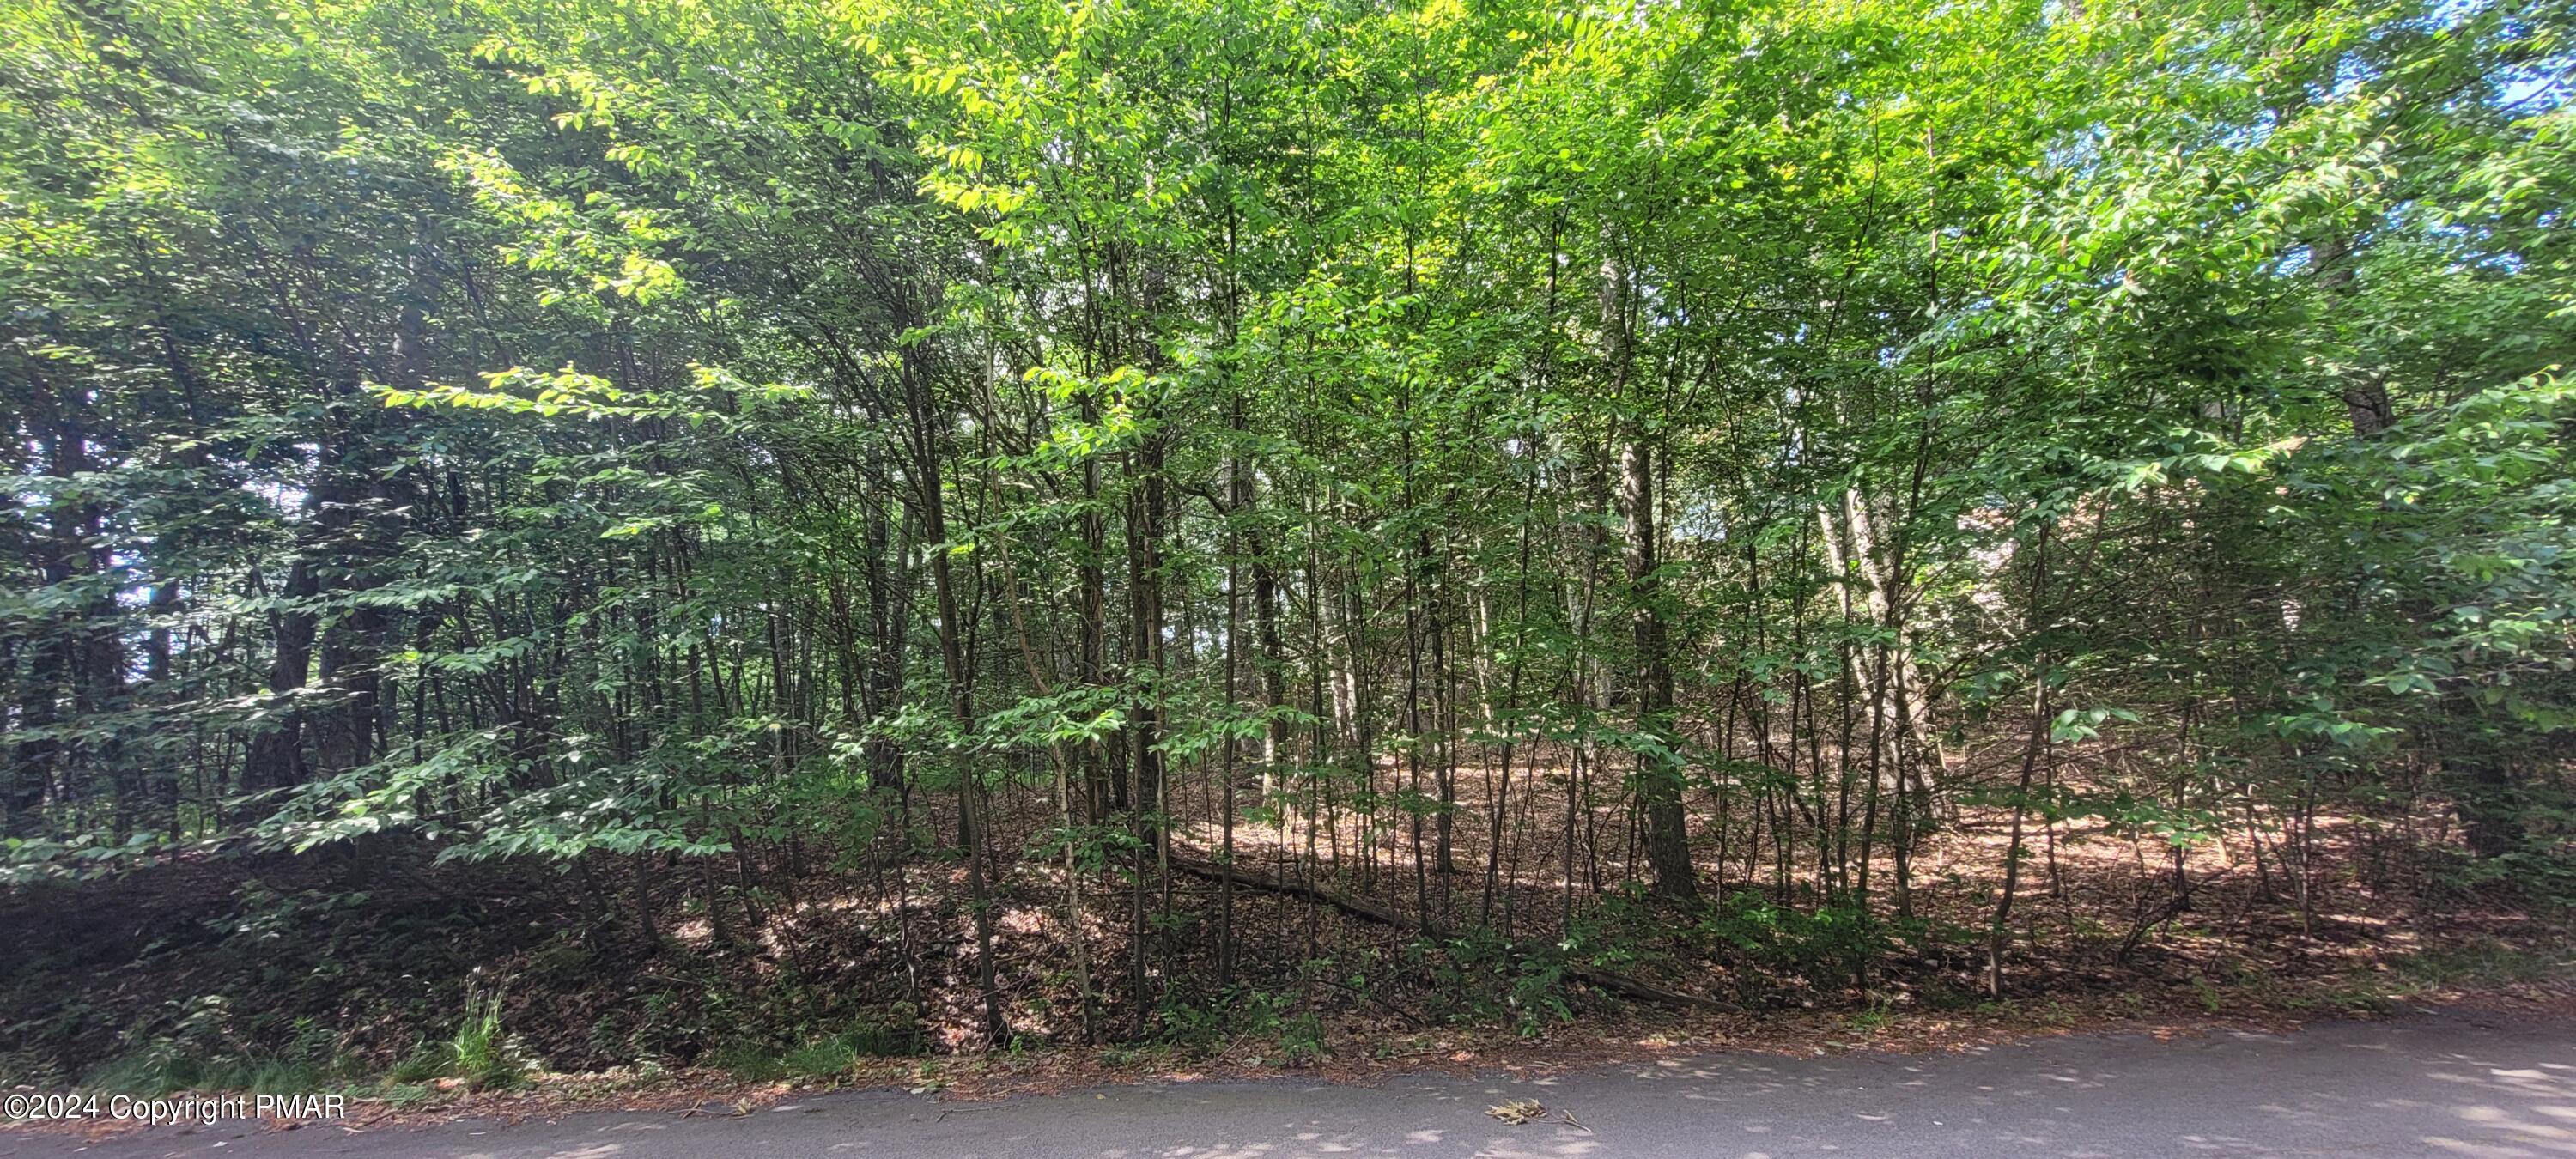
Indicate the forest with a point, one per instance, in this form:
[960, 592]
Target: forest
[552, 535]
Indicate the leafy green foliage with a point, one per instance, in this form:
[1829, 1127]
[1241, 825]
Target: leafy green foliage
[737, 437]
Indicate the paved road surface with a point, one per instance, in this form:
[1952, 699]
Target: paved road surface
[2444, 1084]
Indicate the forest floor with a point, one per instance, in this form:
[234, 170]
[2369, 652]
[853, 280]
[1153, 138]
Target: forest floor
[342, 968]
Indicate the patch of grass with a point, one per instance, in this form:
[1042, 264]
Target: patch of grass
[428, 1062]
[479, 1053]
[749, 1062]
[896, 1037]
[821, 1059]
[207, 1050]
[1871, 1019]
[28, 1068]
[407, 1096]
[2363, 996]
[2483, 963]
[829, 1057]
[145, 1072]
[156, 1072]
[2464, 966]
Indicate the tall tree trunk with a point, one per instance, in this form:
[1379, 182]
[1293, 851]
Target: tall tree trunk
[927, 426]
[1659, 774]
[1091, 630]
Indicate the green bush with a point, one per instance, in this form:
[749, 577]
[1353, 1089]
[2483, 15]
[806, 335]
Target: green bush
[1827, 947]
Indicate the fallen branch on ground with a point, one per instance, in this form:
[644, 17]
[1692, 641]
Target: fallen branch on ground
[1201, 865]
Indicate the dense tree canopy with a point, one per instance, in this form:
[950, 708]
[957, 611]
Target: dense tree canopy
[1523, 465]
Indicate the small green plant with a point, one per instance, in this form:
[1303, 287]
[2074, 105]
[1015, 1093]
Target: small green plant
[426, 1062]
[1301, 1040]
[477, 1044]
[749, 1062]
[205, 1049]
[1191, 1026]
[890, 1038]
[2365, 996]
[479, 1053]
[824, 1058]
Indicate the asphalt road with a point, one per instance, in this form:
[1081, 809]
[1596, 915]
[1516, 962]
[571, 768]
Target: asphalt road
[2457, 1084]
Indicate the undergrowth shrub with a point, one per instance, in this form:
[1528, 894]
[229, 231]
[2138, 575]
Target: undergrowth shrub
[1482, 978]
[479, 1053]
[204, 1047]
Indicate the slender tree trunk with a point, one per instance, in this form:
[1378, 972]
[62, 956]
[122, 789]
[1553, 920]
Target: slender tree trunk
[1659, 774]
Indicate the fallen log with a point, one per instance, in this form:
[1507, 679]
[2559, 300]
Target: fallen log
[1253, 877]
